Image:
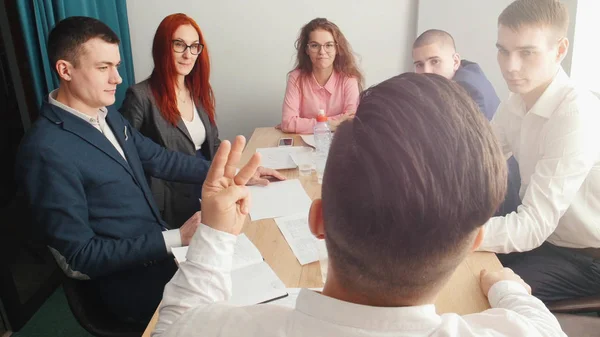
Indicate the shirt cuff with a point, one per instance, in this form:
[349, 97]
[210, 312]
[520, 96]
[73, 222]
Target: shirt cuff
[504, 288]
[172, 239]
[212, 247]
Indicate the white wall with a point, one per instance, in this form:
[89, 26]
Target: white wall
[586, 68]
[473, 24]
[251, 46]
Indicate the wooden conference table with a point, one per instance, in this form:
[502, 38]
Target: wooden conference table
[462, 294]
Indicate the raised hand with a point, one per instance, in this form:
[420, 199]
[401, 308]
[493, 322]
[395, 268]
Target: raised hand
[225, 197]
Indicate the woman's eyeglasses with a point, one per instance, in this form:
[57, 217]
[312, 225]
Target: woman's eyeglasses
[180, 47]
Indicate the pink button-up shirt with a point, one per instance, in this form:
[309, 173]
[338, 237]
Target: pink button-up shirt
[304, 98]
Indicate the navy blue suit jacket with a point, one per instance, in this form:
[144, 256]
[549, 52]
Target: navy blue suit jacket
[94, 209]
[470, 76]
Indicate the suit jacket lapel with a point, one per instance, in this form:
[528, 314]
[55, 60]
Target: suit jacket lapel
[184, 130]
[124, 136]
[90, 134]
[207, 127]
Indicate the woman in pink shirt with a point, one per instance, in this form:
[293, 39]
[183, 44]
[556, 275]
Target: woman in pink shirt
[325, 77]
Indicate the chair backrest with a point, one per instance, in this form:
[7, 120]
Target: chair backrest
[92, 314]
[579, 326]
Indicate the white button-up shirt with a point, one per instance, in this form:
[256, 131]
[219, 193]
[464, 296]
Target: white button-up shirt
[557, 146]
[192, 306]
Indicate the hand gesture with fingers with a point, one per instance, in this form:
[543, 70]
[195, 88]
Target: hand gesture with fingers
[225, 198]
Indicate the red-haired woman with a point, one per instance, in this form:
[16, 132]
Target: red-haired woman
[326, 77]
[175, 107]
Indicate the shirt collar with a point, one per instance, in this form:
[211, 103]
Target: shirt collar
[358, 316]
[331, 82]
[102, 112]
[548, 101]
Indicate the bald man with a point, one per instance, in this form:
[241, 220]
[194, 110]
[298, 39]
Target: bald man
[434, 51]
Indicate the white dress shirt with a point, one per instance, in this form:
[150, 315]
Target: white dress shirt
[172, 237]
[557, 146]
[196, 129]
[192, 306]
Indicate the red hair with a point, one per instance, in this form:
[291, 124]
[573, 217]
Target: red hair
[164, 75]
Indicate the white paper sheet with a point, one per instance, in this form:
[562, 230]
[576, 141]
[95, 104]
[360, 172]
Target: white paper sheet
[245, 253]
[290, 300]
[255, 284]
[278, 158]
[297, 234]
[309, 140]
[281, 198]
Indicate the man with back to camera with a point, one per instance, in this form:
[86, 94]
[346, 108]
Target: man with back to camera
[394, 236]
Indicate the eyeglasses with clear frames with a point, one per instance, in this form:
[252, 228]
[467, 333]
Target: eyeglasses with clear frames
[314, 47]
[195, 48]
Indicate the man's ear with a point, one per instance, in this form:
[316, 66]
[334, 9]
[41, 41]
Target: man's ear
[563, 49]
[478, 239]
[63, 69]
[456, 59]
[315, 219]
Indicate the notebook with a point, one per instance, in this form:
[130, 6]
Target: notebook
[252, 279]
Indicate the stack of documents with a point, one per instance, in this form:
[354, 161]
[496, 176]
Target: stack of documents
[252, 279]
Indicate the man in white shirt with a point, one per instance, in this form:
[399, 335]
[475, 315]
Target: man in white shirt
[551, 126]
[397, 222]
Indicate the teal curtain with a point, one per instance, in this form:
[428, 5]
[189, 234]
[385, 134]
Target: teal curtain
[38, 17]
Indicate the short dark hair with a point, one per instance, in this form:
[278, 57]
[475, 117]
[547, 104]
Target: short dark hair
[545, 13]
[432, 36]
[67, 37]
[407, 183]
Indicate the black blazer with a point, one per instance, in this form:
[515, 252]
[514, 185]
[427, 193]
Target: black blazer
[176, 201]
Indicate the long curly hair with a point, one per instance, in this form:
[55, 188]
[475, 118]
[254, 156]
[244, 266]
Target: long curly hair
[345, 60]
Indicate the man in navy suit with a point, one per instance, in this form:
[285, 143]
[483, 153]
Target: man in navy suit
[434, 51]
[82, 169]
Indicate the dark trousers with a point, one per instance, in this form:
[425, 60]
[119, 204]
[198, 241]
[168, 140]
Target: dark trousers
[133, 295]
[512, 199]
[556, 273]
